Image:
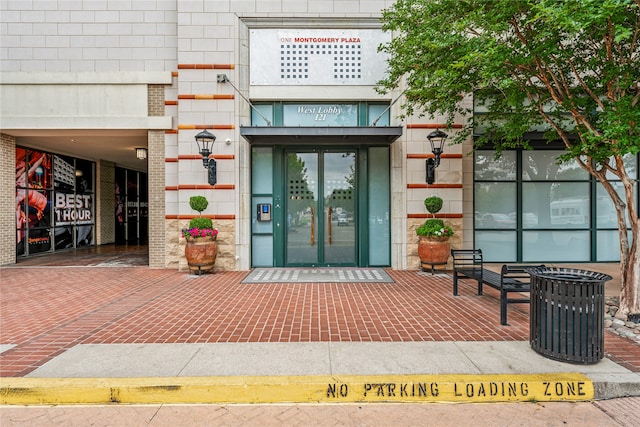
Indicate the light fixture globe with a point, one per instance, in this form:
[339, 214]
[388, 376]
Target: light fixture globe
[437, 138]
[205, 141]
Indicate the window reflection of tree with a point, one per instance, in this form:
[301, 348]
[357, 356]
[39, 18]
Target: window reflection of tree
[301, 196]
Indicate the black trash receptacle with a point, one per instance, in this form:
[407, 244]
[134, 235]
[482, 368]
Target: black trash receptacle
[567, 314]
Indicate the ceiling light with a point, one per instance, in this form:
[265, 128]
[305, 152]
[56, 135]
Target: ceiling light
[141, 153]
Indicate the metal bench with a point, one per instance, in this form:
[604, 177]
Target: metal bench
[468, 264]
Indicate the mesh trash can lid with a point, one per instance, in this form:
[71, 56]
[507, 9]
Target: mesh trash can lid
[569, 274]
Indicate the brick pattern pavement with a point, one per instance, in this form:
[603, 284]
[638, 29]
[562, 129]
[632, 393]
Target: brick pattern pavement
[46, 310]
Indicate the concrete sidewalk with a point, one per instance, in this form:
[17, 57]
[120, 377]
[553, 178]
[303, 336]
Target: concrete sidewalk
[315, 372]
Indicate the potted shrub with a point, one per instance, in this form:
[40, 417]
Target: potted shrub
[433, 247]
[201, 249]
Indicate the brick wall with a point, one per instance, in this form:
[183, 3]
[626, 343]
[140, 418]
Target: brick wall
[7, 200]
[156, 181]
[106, 224]
[155, 100]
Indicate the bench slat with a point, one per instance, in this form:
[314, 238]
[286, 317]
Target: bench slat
[468, 263]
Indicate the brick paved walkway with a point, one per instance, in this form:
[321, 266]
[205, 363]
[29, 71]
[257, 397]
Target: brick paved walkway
[46, 310]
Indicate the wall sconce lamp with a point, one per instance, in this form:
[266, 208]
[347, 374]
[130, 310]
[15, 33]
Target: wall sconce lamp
[437, 138]
[141, 153]
[205, 142]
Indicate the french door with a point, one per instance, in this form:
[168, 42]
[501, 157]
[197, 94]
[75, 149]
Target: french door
[321, 217]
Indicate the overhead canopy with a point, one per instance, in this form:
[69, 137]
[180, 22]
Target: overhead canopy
[336, 135]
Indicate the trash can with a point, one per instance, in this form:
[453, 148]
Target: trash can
[567, 314]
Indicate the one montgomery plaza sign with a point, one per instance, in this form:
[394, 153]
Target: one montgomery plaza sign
[316, 56]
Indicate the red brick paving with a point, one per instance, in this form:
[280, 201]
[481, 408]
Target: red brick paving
[44, 311]
[622, 351]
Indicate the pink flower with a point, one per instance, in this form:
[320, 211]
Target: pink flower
[199, 232]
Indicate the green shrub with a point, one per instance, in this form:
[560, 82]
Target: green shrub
[434, 227]
[429, 227]
[201, 222]
[198, 203]
[433, 204]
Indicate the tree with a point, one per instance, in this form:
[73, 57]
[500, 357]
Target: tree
[569, 68]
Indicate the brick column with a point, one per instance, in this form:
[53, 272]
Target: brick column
[7, 199]
[156, 181]
[106, 214]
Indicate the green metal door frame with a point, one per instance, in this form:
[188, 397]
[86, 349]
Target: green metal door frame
[280, 202]
[361, 204]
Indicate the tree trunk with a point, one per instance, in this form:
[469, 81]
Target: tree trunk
[630, 279]
[629, 255]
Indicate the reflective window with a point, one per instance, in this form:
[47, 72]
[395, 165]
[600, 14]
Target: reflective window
[561, 246]
[495, 205]
[543, 165]
[379, 204]
[260, 113]
[262, 170]
[497, 246]
[556, 205]
[488, 168]
[558, 211]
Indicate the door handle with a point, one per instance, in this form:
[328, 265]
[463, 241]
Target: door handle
[313, 228]
[329, 223]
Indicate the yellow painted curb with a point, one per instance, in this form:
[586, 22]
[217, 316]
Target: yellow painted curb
[298, 389]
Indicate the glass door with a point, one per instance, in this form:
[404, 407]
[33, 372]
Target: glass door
[338, 184]
[321, 208]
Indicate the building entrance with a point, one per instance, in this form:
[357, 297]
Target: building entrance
[325, 206]
[321, 208]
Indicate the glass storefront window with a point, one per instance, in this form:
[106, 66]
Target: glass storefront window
[131, 206]
[497, 246]
[558, 212]
[556, 205]
[495, 206]
[563, 246]
[543, 165]
[488, 168]
[54, 202]
[605, 210]
[608, 248]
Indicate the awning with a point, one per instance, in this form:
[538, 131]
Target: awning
[369, 135]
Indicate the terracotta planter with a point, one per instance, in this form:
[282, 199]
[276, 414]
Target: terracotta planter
[433, 251]
[201, 253]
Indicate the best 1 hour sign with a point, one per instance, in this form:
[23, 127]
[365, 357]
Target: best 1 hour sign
[73, 208]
